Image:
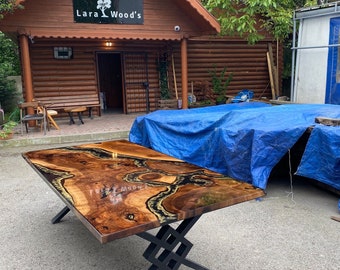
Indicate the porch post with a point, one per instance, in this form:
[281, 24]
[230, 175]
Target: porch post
[184, 66]
[26, 67]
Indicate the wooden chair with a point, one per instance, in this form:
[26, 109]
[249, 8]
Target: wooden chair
[32, 111]
[49, 115]
[50, 120]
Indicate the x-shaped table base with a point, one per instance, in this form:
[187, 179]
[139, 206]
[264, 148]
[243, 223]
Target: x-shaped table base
[168, 249]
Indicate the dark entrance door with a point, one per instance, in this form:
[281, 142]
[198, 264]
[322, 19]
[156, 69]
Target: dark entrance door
[136, 82]
[110, 81]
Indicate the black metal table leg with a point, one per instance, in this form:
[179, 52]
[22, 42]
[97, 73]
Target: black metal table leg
[80, 118]
[168, 248]
[60, 215]
[90, 113]
[70, 114]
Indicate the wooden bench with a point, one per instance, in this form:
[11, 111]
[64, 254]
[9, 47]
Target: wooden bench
[64, 102]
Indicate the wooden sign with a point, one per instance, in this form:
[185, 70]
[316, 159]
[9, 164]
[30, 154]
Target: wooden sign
[108, 11]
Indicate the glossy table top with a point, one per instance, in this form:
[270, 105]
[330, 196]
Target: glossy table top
[118, 188]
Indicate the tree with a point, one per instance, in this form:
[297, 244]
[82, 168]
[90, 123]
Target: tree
[249, 18]
[9, 61]
[9, 65]
[9, 57]
[9, 54]
[7, 6]
[8, 94]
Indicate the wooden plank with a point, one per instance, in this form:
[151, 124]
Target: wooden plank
[328, 121]
[272, 83]
[274, 70]
[174, 74]
[335, 218]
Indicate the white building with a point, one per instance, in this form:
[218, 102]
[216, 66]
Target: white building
[316, 61]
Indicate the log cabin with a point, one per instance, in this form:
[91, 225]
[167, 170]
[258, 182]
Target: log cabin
[112, 52]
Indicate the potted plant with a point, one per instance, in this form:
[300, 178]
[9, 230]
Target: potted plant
[220, 84]
[6, 130]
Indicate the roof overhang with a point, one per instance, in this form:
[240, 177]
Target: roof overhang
[205, 21]
[195, 6]
[317, 11]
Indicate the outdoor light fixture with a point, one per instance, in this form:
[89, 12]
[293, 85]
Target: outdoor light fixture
[108, 44]
[63, 52]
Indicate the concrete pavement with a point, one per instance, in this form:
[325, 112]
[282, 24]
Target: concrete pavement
[109, 126]
[288, 229]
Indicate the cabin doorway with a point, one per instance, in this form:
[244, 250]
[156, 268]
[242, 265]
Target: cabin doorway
[110, 81]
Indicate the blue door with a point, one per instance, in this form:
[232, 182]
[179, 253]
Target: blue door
[333, 69]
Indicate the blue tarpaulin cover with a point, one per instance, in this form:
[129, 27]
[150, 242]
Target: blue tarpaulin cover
[243, 140]
[321, 159]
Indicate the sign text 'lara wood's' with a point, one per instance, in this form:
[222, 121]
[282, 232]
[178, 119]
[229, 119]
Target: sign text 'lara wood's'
[108, 11]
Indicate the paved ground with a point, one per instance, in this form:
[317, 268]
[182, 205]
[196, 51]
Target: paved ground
[283, 231]
[108, 126]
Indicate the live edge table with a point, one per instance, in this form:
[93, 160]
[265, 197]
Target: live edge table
[118, 189]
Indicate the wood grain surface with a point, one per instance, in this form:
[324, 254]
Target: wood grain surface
[118, 188]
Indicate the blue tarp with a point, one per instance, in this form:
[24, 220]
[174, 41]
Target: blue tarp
[243, 140]
[321, 159]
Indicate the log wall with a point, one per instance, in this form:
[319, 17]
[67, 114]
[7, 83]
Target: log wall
[247, 63]
[78, 76]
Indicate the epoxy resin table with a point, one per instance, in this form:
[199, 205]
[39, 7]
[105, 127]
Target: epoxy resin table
[118, 189]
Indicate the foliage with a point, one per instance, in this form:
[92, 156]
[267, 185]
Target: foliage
[163, 65]
[248, 18]
[8, 6]
[7, 129]
[220, 83]
[9, 66]
[8, 93]
[9, 57]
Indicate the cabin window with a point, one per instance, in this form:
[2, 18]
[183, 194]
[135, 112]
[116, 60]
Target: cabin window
[63, 52]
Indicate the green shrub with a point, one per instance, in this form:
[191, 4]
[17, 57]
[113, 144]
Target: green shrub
[220, 83]
[9, 66]
[8, 94]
